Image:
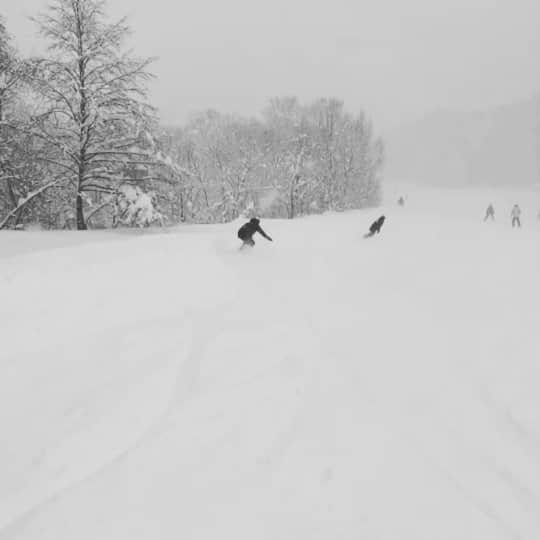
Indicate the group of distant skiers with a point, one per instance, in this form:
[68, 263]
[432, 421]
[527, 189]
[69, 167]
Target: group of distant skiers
[515, 214]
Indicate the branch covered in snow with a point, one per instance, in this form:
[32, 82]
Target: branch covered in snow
[22, 202]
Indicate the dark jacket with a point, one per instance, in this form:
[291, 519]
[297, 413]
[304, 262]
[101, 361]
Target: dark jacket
[377, 225]
[247, 230]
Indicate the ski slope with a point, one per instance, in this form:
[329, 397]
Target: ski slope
[323, 386]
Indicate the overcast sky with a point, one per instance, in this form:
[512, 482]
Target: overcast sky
[396, 59]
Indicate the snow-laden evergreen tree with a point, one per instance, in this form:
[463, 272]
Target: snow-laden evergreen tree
[94, 117]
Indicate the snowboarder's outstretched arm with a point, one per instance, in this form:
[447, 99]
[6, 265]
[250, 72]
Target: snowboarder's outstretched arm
[261, 232]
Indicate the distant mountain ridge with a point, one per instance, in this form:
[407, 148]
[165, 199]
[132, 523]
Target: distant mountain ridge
[496, 146]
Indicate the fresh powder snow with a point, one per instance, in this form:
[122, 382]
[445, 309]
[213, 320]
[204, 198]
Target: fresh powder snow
[163, 384]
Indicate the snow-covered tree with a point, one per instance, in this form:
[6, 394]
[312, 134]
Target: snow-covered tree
[8, 79]
[21, 176]
[135, 208]
[12, 70]
[298, 159]
[94, 117]
[321, 157]
[290, 146]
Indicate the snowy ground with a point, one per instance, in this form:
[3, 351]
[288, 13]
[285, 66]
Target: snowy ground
[322, 386]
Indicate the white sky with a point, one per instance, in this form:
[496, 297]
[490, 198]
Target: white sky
[396, 59]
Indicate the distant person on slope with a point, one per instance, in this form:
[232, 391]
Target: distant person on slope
[375, 227]
[490, 213]
[401, 201]
[516, 216]
[246, 232]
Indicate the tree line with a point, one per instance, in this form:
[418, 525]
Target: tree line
[81, 145]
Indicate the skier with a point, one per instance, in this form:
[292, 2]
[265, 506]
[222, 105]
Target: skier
[516, 214]
[401, 201]
[246, 232]
[375, 227]
[490, 213]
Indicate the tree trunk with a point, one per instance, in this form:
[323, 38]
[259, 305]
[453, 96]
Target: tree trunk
[182, 218]
[291, 204]
[292, 209]
[13, 202]
[81, 224]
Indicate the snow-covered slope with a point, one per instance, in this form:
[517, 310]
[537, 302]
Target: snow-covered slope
[168, 386]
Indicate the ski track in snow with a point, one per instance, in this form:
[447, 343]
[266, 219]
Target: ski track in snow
[321, 386]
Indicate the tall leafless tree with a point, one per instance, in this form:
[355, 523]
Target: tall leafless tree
[94, 115]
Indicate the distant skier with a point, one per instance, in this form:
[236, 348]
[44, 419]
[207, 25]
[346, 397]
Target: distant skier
[375, 227]
[490, 213]
[516, 216]
[401, 201]
[246, 232]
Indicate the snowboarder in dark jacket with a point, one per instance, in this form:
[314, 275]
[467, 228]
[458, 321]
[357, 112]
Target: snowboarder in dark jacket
[246, 232]
[375, 227]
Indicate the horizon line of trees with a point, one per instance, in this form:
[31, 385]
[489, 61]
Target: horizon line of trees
[81, 146]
